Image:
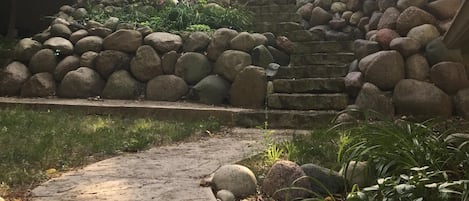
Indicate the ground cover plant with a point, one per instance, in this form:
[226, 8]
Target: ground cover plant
[169, 17]
[34, 145]
[409, 160]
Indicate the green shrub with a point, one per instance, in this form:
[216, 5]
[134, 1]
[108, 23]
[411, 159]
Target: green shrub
[171, 18]
[412, 160]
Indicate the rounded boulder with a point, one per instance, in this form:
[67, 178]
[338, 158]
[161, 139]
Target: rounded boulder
[237, 179]
[166, 88]
[193, 67]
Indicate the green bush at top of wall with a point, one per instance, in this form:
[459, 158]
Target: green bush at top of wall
[167, 17]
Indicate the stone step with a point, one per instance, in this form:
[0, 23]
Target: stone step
[292, 119]
[276, 17]
[323, 46]
[336, 101]
[312, 71]
[309, 85]
[273, 8]
[301, 36]
[179, 111]
[321, 58]
[274, 27]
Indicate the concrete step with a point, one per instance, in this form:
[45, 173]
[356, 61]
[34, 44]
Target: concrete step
[336, 101]
[275, 27]
[321, 58]
[309, 85]
[291, 119]
[323, 46]
[179, 111]
[276, 17]
[273, 8]
[312, 71]
[301, 36]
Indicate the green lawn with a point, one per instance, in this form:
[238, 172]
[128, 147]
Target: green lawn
[34, 144]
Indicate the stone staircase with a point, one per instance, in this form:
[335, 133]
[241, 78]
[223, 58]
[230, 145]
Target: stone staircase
[314, 80]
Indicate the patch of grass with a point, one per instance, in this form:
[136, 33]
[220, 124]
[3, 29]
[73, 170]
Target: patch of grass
[33, 142]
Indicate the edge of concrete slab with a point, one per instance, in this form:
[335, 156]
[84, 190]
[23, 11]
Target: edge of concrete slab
[180, 111]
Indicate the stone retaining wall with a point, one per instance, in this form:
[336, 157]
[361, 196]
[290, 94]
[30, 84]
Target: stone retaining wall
[117, 61]
[402, 65]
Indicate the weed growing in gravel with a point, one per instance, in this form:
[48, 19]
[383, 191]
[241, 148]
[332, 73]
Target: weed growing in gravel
[33, 142]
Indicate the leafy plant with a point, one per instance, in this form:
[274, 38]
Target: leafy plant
[412, 159]
[421, 184]
[165, 16]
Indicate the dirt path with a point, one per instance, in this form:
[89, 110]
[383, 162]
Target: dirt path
[169, 173]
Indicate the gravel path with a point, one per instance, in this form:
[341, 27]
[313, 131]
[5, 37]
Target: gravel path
[168, 173]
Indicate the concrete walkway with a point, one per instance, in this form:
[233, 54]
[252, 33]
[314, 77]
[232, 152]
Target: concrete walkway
[168, 173]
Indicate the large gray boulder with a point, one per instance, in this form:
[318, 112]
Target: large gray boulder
[359, 173]
[444, 9]
[385, 36]
[364, 48]
[254, 80]
[281, 175]
[237, 179]
[384, 69]
[461, 101]
[89, 43]
[44, 60]
[436, 52]
[163, 42]
[421, 98]
[319, 16]
[372, 99]
[39, 85]
[109, 61]
[193, 67]
[12, 78]
[305, 11]
[60, 30]
[168, 61]
[121, 85]
[88, 59]
[261, 56]
[353, 82]
[166, 88]
[280, 57]
[66, 65]
[424, 33]
[404, 4]
[405, 45]
[231, 62]
[389, 18]
[196, 42]
[146, 64]
[213, 89]
[412, 17]
[78, 35]
[417, 68]
[244, 41]
[26, 48]
[123, 40]
[449, 76]
[60, 45]
[330, 179]
[81, 83]
[220, 42]
[385, 4]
